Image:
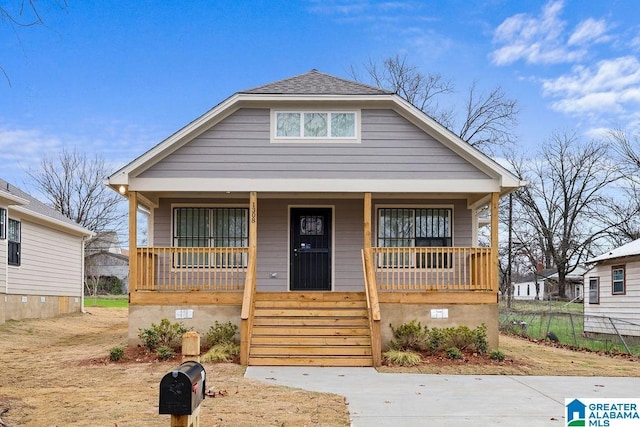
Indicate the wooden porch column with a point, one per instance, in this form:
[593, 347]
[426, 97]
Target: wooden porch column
[367, 220]
[495, 200]
[133, 239]
[246, 315]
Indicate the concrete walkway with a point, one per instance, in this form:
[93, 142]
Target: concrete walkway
[409, 400]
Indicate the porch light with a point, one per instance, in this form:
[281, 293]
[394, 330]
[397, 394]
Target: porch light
[122, 189]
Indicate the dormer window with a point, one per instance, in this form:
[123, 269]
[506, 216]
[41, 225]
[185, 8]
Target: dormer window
[318, 126]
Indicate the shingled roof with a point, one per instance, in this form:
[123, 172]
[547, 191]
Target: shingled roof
[35, 205]
[316, 83]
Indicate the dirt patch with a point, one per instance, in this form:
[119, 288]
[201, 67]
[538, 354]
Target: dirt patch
[56, 372]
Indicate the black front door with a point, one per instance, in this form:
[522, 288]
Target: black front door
[310, 249]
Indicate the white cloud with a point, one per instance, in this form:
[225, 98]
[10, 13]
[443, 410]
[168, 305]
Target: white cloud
[25, 146]
[611, 86]
[589, 30]
[542, 40]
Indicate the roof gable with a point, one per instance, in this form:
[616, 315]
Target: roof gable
[315, 83]
[312, 88]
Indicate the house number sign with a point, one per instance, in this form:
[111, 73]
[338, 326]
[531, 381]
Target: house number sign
[253, 212]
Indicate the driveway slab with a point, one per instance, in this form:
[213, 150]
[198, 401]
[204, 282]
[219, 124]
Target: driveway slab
[384, 399]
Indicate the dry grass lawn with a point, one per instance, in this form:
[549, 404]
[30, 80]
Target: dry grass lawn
[50, 378]
[47, 381]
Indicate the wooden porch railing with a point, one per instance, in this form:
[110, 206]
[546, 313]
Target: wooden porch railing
[248, 307]
[373, 306]
[184, 269]
[433, 268]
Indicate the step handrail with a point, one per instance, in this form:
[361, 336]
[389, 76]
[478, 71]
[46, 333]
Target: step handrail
[248, 308]
[373, 305]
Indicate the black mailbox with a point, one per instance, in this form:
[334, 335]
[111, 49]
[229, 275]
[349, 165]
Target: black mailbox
[182, 390]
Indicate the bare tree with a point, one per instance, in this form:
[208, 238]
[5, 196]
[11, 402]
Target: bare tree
[489, 118]
[73, 184]
[566, 201]
[627, 147]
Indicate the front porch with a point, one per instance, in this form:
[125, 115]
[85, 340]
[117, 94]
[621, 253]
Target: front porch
[395, 283]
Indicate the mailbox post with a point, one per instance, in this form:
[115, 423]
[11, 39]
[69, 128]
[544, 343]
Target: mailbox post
[181, 392]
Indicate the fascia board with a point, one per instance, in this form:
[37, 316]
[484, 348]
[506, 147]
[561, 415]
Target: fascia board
[54, 223]
[314, 185]
[11, 199]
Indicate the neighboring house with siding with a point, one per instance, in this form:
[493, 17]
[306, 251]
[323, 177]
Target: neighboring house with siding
[612, 290]
[105, 260]
[313, 212]
[41, 258]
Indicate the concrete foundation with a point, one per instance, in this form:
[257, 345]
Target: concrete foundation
[18, 307]
[198, 317]
[440, 316]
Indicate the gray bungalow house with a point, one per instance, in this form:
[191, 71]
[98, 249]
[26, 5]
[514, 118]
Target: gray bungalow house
[41, 258]
[313, 212]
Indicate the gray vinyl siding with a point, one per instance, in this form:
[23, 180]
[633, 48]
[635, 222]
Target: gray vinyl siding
[50, 264]
[273, 234]
[625, 307]
[239, 147]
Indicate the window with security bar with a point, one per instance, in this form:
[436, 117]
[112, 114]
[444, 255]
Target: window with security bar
[205, 227]
[415, 227]
[14, 237]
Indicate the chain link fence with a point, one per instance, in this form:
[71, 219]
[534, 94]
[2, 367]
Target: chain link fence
[596, 333]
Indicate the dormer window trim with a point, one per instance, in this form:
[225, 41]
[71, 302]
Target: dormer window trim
[315, 126]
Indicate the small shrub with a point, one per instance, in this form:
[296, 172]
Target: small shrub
[164, 352]
[222, 352]
[435, 340]
[480, 339]
[496, 355]
[402, 358]
[149, 338]
[454, 353]
[116, 354]
[165, 334]
[222, 333]
[408, 336]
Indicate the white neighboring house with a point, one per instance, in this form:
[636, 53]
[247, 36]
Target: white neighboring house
[613, 291]
[105, 258]
[41, 258]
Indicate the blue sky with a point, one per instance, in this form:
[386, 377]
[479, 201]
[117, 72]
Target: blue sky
[117, 77]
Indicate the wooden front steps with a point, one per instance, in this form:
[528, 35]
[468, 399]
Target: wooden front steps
[311, 328]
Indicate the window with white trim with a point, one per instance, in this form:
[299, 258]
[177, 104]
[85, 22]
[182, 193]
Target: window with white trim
[210, 227]
[416, 227]
[594, 290]
[3, 223]
[315, 125]
[15, 242]
[618, 286]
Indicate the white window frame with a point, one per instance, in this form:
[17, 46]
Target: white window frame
[210, 263]
[624, 280]
[594, 281]
[315, 139]
[4, 218]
